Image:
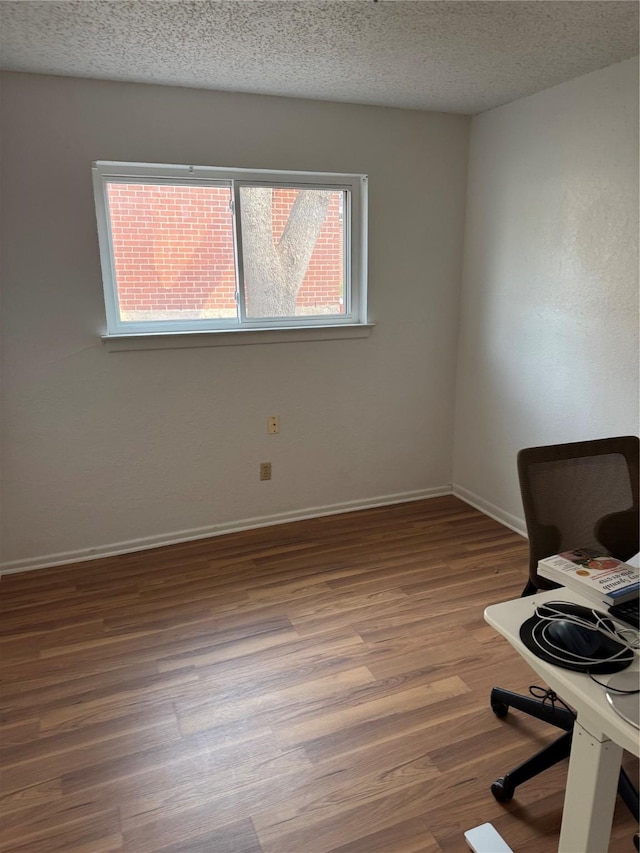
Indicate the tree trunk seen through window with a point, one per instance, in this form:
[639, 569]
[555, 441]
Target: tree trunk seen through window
[274, 271]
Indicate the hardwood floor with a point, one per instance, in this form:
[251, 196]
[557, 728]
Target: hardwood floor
[318, 686]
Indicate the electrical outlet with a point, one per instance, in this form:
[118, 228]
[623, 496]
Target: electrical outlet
[273, 424]
[265, 470]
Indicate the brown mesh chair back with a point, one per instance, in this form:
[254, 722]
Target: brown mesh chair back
[580, 495]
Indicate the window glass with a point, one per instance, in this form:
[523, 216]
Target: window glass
[293, 251]
[172, 251]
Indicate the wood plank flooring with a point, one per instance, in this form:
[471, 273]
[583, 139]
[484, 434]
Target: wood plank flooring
[317, 687]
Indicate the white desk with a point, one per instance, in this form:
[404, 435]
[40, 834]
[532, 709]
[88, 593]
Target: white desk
[600, 734]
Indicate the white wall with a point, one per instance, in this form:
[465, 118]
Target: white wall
[549, 326]
[111, 450]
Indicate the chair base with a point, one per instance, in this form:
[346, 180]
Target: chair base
[502, 700]
[503, 789]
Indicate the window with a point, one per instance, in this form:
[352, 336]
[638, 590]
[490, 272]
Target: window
[201, 248]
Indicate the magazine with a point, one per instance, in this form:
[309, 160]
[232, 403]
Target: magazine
[593, 574]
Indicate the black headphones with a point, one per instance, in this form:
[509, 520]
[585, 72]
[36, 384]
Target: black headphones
[615, 653]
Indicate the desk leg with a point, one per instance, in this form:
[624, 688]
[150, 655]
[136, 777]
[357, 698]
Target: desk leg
[590, 798]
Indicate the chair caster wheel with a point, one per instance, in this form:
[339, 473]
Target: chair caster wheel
[503, 790]
[636, 841]
[500, 709]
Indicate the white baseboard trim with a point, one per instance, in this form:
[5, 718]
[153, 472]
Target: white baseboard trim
[512, 521]
[145, 543]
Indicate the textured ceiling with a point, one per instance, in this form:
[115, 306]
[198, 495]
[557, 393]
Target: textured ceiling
[450, 55]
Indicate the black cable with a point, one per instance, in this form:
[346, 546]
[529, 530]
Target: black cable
[612, 689]
[548, 695]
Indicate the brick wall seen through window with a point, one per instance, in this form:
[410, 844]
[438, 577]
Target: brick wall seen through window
[173, 250]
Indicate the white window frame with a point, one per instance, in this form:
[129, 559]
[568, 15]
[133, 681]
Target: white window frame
[355, 245]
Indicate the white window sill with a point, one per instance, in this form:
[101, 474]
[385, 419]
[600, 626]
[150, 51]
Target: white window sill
[235, 337]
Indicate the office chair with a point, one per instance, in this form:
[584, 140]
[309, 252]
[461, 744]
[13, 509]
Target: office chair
[582, 494]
